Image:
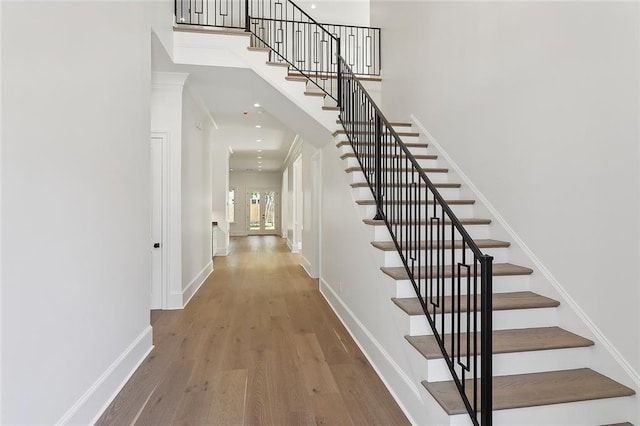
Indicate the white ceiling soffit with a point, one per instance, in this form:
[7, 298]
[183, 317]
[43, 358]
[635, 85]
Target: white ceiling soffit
[230, 94]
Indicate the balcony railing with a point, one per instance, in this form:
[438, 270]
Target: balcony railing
[360, 46]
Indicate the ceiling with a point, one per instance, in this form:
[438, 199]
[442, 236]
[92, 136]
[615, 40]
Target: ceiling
[231, 95]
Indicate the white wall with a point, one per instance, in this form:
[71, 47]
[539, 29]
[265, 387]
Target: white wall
[538, 103]
[350, 12]
[75, 206]
[196, 195]
[246, 181]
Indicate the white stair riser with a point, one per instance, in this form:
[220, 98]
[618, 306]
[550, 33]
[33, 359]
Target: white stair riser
[502, 320]
[475, 231]
[440, 177]
[462, 210]
[365, 138]
[448, 193]
[415, 150]
[353, 162]
[596, 412]
[500, 255]
[518, 363]
[501, 284]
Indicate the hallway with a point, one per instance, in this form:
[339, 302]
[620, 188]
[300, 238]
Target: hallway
[257, 345]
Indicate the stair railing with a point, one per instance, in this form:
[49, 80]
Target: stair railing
[451, 277]
[296, 39]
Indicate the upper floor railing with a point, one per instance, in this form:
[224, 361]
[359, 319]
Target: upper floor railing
[360, 46]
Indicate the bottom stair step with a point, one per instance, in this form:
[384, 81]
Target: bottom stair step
[530, 390]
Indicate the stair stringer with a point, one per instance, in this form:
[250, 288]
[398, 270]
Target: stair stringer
[603, 356]
[360, 294]
[225, 50]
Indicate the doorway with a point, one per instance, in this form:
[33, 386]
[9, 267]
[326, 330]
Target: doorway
[156, 222]
[263, 212]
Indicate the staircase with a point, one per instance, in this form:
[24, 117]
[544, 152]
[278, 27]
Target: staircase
[541, 372]
[537, 365]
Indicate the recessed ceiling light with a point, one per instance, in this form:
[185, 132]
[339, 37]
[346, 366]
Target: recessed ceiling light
[258, 140]
[259, 150]
[258, 126]
[259, 162]
[230, 170]
[259, 158]
[257, 105]
[313, 6]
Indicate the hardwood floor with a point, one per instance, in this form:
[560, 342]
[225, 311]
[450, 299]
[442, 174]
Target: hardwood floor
[257, 345]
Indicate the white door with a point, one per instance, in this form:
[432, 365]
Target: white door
[156, 223]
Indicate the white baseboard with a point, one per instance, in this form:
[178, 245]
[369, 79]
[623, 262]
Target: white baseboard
[196, 283]
[367, 343]
[567, 299]
[223, 251]
[91, 405]
[293, 248]
[306, 265]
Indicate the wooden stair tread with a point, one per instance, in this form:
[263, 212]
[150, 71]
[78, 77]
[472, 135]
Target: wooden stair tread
[407, 144]
[417, 156]
[393, 123]
[311, 93]
[189, 28]
[258, 49]
[534, 389]
[483, 243]
[499, 269]
[387, 185]
[277, 64]
[334, 76]
[464, 221]
[330, 108]
[501, 302]
[507, 341]
[408, 134]
[430, 202]
[300, 79]
[424, 169]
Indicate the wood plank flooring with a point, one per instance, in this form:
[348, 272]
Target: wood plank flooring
[257, 345]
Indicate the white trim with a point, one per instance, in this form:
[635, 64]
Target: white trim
[1, 327]
[306, 265]
[374, 343]
[195, 284]
[173, 80]
[293, 248]
[222, 251]
[294, 150]
[1, 422]
[567, 299]
[91, 405]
